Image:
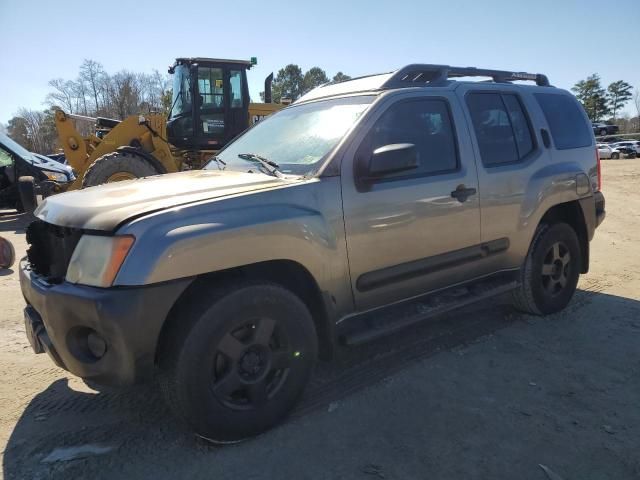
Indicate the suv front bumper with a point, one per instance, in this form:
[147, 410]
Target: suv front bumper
[65, 319]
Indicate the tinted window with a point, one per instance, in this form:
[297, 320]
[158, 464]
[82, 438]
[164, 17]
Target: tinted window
[493, 129]
[566, 121]
[210, 87]
[424, 123]
[235, 82]
[520, 125]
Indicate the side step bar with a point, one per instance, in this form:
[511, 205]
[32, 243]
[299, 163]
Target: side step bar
[370, 325]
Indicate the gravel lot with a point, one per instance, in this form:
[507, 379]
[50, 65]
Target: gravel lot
[483, 393]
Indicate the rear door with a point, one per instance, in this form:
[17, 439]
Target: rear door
[406, 233]
[509, 153]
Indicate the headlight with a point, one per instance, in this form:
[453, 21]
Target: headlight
[96, 259]
[56, 176]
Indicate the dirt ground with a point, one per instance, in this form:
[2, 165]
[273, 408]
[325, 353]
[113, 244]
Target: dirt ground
[485, 393]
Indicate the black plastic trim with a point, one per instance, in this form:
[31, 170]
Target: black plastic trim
[417, 268]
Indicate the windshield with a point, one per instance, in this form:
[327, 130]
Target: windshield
[297, 138]
[181, 101]
[17, 148]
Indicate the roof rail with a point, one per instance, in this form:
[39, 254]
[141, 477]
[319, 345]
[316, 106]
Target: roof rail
[435, 75]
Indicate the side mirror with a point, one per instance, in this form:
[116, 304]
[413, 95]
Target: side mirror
[393, 158]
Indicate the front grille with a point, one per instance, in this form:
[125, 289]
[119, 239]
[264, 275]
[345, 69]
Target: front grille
[50, 249]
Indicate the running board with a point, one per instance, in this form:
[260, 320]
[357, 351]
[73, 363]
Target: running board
[368, 326]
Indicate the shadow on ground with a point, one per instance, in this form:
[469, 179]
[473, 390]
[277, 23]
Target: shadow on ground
[141, 432]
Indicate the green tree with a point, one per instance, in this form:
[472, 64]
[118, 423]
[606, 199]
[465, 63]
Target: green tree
[289, 83]
[166, 101]
[314, 78]
[619, 93]
[17, 129]
[340, 77]
[592, 96]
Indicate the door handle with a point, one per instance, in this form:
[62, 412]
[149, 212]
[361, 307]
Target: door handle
[461, 193]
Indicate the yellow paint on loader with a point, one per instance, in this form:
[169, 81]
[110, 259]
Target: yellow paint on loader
[145, 132]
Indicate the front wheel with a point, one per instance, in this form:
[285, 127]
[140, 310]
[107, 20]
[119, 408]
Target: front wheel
[615, 155]
[603, 132]
[551, 270]
[242, 363]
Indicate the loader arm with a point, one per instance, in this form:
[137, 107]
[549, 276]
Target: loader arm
[148, 135]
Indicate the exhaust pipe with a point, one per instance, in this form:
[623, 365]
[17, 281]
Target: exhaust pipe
[267, 88]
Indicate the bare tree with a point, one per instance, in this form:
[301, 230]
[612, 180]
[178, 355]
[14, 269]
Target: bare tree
[92, 73]
[63, 94]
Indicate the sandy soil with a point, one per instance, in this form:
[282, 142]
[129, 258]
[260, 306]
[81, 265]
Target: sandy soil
[483, 393]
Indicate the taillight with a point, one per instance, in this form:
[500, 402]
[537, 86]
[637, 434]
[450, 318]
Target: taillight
[599, 170]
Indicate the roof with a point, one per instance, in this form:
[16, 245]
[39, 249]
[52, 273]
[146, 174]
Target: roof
[212, 60]
[419, 75]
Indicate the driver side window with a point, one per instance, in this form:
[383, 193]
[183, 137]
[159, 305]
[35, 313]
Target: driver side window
[5, 158]
[425, 123]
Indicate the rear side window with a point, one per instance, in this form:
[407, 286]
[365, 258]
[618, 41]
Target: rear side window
[501, 128]
[566, 121]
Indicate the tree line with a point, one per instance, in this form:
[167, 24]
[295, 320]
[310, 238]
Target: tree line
[606, 103]
[95, 92]
[291, 83]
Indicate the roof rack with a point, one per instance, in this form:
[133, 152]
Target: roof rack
[435, 75]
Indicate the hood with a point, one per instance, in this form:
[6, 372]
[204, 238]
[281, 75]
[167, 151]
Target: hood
[106, 206]
[46, 163]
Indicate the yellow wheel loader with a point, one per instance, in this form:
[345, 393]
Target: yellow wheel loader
[210, 107]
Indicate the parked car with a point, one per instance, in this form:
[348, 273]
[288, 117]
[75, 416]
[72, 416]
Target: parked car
[632, 145]
[622, 151]
[604, 129]
[604, 150]
[16, 162]
[58, 157]
[350, 214]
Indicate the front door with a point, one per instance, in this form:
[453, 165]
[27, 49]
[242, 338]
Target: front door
[408, 232]
[211, 99]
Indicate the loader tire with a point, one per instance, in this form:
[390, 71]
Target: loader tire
[115, 167]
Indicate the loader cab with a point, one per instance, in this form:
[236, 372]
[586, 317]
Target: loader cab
[210, 104]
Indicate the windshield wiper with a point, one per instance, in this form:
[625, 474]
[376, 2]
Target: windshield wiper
[269, 165]
[219, 162]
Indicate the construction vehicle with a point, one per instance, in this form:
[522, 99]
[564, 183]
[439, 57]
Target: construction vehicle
[210, 107]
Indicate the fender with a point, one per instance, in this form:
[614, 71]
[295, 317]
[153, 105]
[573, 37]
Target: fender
[299, 223]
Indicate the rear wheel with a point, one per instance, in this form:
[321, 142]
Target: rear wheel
[241, 364]
[550, 274]
[115, 167]
[615, 155]
[603, 131]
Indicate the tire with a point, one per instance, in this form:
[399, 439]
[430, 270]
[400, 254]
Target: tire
[237, 364]
[551, 270]
[603, 132]
[117, 166]
[615, 155]
[27, 201]
[7, 254]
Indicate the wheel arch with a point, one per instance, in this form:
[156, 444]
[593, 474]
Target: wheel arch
[287, 273]
[155, 163]
[572, 214]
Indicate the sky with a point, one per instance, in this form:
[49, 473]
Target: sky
[565, 39]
